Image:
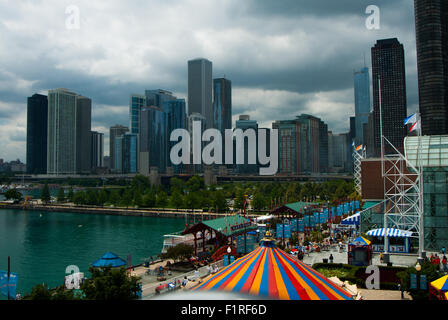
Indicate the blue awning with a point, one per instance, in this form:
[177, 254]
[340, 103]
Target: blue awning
[353, 219]
[391, 232]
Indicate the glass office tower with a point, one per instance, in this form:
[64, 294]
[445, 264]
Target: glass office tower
[153, 139]
[362, 102]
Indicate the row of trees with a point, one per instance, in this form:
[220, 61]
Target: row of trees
[193, 194]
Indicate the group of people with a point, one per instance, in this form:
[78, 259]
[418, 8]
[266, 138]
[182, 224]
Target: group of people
[435, 260]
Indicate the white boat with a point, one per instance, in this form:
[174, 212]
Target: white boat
[172, 240]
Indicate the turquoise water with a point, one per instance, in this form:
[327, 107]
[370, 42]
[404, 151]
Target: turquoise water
[42, 244]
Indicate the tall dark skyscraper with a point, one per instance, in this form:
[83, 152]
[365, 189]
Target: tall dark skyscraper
[431, 29]
[388, 67]
[222, 104]
[200, 89]
[36, 134]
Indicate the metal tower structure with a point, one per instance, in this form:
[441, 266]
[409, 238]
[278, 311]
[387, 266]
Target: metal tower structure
[357, 159]
[403, 191]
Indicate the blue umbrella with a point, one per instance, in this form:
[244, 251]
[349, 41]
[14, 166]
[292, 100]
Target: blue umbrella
[109, 259]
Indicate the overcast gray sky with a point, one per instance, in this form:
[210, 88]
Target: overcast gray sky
[284, 57]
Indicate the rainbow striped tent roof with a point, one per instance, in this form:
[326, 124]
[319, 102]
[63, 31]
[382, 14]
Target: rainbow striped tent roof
[441, 284]
[270, 272]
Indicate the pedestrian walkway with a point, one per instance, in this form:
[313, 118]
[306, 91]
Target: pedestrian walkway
[398, 260]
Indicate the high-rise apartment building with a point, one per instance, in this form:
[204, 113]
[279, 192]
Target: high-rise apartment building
[389, 87]
[69, 138]
[431, 29]
[36, 134]
[200, 89]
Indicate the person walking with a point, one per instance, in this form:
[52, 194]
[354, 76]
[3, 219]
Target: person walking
[331, 258]
[444, 264]
[381, 257]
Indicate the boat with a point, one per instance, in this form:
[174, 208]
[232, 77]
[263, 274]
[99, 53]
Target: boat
[172, 240]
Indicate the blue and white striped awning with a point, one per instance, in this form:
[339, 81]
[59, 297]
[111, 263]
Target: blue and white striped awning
[391, 232]
[354, 219]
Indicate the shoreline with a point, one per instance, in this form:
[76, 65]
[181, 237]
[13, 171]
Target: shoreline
[133, 212]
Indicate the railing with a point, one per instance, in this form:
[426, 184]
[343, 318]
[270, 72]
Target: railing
[149, 290]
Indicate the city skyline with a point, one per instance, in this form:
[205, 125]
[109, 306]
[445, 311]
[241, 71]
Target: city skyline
[277, 71]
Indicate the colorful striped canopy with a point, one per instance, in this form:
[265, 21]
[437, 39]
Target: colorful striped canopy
[441, 284]
[270, 272]
[391, 232]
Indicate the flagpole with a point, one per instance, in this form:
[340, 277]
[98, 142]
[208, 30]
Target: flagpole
[9, 271]
[421, 249]
[386, 239]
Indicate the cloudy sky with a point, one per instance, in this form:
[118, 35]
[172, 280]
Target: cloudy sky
[284, 57]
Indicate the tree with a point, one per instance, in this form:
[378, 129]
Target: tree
[239, 201]
[110, 284]
[258, 202]
[177, 184]
[70, 194]
[431, 273]
[162, 199]
[102, 197]
[42, 292]
[137, 198]
[13, 194]
[149, 200]
[220, 201]
[126, 199]
[176, 200]
[79, 198]
[61, 195]
[45, 195]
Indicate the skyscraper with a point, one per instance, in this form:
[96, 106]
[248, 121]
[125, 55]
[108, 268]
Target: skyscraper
[431, 29]
[244, 123]
[153, 139]
[362, 102]
[115, 131]
[388, 68]
[136, 103]
[222, 104]
[97, 150]
[69, 139]
[158, 97]
[200, 89]
[126, 153]
[176, 119]
[36, 134]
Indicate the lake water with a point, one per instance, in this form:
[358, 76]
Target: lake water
[42, 244]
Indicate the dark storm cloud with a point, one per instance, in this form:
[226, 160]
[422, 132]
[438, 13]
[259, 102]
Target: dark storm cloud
[283, 57]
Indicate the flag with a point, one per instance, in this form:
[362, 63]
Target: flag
[411, 119]
[353, 144]
[415, 126]
[359, 147]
